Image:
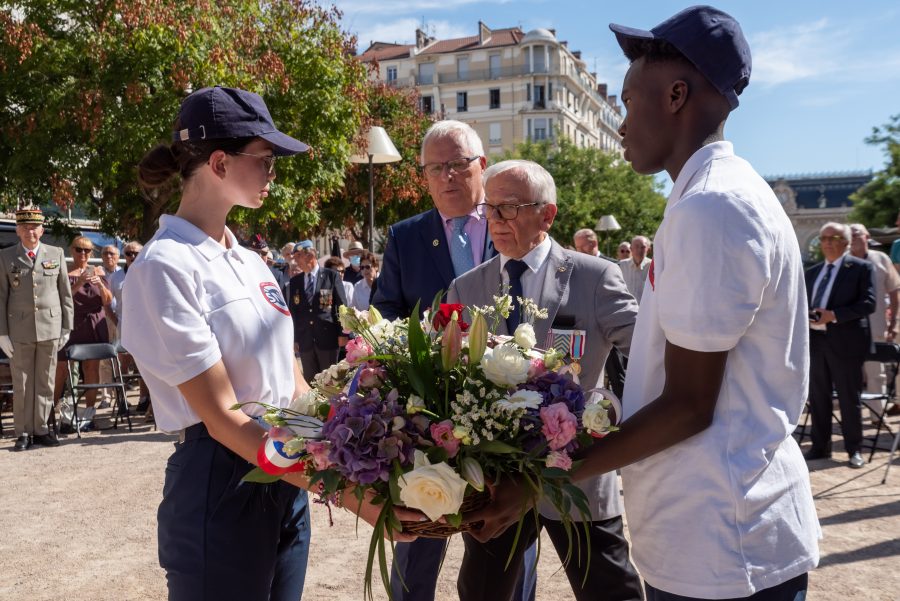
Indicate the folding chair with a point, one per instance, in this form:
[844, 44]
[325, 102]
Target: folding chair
[135, 377]
[891, 456]
[97, 352]
[888, 354]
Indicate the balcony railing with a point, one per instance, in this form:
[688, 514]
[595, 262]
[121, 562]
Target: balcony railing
[480, 75]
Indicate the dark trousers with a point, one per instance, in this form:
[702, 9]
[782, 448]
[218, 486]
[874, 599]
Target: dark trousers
[792, 590]
[829, 370]
[316, 360]
[418, 562]
[220, 539]
[610, 575]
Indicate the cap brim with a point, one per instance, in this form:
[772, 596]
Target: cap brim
[283, 144]
[630, 33]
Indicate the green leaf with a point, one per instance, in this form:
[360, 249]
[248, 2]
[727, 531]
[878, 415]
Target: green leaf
[258, 476]
[454, 519]
[437, 454]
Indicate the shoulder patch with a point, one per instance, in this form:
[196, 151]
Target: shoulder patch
[272, 294]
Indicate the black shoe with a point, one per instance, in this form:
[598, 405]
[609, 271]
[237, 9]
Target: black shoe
[66, 428]
[813, 454]
[856, 461]
[46, 440]
[143, 405]
[22, 443]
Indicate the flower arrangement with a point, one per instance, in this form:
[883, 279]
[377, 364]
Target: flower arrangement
[426, 414]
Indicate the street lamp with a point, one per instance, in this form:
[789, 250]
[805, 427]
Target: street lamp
[378, 149]
[608, 224]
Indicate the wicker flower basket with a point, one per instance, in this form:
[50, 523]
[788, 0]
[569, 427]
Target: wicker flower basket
[472, 502]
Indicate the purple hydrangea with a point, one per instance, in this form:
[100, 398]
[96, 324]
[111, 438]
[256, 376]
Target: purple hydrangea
[554, 388]
[363, 444]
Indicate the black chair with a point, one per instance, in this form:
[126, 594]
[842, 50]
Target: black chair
[97, 352]
[135, 377]
[888, 354]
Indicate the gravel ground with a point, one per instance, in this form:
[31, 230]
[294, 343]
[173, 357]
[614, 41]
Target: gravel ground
[78, 522]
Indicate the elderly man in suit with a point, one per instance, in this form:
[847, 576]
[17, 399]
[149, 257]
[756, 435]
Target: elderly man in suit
[36, 314]
[314, 298]
[841, 295]
[579, 291]
[423, 255]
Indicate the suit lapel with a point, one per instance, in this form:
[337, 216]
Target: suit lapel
[556, 280]
[435, 240]
[22, 257]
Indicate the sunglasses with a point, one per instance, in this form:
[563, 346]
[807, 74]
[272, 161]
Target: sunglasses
[131, 253]
[365, 267]
[79, 249]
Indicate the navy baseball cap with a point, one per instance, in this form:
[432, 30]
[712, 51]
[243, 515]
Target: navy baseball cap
[710, 39]
[219, 113]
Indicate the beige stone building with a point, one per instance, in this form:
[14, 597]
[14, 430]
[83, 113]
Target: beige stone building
[511, 86]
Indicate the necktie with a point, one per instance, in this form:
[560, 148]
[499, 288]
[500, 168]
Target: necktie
[515, 269]
[820, 291]
[310, 287]
[31, 255]
[460, 246]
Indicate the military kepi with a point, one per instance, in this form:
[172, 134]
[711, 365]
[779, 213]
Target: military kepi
[30, 214]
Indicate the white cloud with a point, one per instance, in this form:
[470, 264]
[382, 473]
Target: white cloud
[403, 31]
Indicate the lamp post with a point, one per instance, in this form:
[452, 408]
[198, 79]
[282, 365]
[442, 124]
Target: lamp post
[378, 149]
[608, 224]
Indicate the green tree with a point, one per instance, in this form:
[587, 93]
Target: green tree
[591, 183]
[876, 204]
[86, 88]
[400, 189]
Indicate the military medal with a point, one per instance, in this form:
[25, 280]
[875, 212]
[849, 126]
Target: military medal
[15, 271]
[570, 343]
[576, 349]
[296, 298]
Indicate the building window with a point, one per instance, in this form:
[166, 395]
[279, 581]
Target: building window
[462, 102]
[391, 74]
[495, 66]
[496, 136]
[528, 92]
[427, 104]
[462, 68]
[495, 98]
[426, 73]
[539, 99]
[540, 129]
[537, 59]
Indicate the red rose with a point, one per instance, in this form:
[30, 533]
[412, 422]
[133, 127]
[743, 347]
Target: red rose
[445, 312]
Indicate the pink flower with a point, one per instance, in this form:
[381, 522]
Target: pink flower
[537, 368]
[442, 433]
[559, 425]
[371, 377]
[559, 459]
[358, 349]
[318, 449]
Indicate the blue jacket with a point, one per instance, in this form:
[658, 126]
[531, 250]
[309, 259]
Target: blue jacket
[416, 265]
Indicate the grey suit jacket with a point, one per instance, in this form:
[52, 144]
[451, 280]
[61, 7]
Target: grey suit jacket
[35, 297]
[592, 291]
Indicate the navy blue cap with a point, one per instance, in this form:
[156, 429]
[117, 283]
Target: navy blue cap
[711, 39]
[218, 113]
[303, 245]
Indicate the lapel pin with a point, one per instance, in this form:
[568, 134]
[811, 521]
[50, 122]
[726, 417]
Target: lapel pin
[561, 269]
[435, 242]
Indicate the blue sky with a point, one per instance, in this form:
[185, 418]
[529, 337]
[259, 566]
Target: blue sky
[824, 73]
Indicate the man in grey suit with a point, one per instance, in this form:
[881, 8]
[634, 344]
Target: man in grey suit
[36, 314]
[579, 292]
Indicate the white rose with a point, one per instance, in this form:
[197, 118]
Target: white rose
[304, 403]
[505, 366]
[435, 490]
[525, 336]
[521, 399]
[596, 418]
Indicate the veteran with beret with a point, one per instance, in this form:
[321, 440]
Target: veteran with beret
[36, 314]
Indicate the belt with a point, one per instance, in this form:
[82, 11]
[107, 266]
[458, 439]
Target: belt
[194, 432]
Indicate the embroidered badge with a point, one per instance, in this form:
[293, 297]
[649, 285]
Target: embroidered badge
[49, 264]
[273, 296]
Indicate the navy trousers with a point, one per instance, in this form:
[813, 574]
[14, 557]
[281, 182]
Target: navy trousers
[220, 539]
[792, 590]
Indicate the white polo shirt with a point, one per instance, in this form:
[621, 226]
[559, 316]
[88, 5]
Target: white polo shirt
[190, 302]
[729, 511]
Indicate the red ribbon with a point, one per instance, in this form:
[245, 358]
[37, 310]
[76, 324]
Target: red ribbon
[272, 469]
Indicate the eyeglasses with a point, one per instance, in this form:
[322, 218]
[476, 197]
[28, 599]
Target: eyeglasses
[834, 239]
[267, 159]
[455, 166]
[365, 267]
[79, 249]
[505, 212]
[131, 253]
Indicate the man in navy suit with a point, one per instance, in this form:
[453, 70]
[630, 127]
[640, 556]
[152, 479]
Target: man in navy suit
[423, 255]
[841, 296]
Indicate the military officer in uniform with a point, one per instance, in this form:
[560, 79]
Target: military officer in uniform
[36, 315]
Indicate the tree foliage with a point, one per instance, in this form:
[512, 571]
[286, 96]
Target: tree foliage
[876, 204]
[86, 88]
[591, 183]
[400, 189]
